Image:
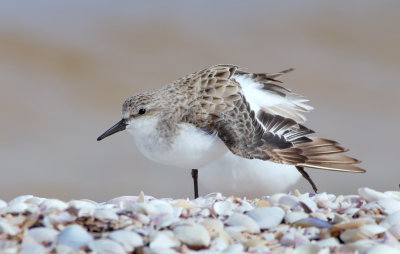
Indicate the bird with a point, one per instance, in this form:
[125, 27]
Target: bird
[201, 117]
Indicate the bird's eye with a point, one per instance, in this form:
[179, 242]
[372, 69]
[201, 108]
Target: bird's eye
[142, 111]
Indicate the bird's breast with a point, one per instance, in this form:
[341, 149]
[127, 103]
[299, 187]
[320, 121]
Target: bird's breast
[188, 148]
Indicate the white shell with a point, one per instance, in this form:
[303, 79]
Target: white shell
[370, 194]
[84, 207]
[267, 217]
[234, 249]
[241, 220]
[43, 234]
[389, 205]
[50, 204]
[294, 239]
[393, 194]
[3, 204]
[391, 220]
[213, 226]
[106, 246]
[105, 214]
[74, 236]
[328, 242]
[32, 249]
[223, 208]
[20, 199]
[308, 204]
[163, 240]
[127, 239]
[7, 228]
[17, 208]
[123, 201]
[311, 248]
[193, 235]
[395, 230]
[292, 217]
[382, 249]
[289, 201]
[274, 199]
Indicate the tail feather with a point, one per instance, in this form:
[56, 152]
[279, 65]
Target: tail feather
[350, 168]
[321, 154]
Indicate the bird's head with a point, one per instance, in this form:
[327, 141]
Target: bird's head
[137, 107]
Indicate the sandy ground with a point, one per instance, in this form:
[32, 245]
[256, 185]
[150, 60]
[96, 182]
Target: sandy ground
[66, 67]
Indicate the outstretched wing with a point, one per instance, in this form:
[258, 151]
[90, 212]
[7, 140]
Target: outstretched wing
[221, 106]
[264, 92]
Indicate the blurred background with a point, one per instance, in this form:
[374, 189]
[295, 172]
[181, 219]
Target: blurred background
[67, 66]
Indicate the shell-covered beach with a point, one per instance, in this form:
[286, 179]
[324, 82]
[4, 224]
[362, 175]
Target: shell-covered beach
[367, 222]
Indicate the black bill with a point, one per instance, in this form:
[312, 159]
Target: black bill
[120, 126]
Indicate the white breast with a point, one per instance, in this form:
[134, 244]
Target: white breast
[190, 148]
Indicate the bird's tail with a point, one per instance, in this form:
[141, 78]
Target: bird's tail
[327, 154]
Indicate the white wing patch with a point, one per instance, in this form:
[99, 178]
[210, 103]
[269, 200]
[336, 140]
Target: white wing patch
[291, 105]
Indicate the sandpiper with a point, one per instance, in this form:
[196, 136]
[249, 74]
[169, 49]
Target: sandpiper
[197, 119]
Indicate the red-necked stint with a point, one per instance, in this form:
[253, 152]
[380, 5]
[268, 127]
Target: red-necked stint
[198, 119]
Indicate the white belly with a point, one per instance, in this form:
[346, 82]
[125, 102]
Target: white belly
[191, 148]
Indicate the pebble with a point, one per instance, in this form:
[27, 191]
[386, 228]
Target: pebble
[282, 223]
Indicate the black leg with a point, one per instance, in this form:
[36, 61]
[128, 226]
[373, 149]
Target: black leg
[307, 177]
[195, 174]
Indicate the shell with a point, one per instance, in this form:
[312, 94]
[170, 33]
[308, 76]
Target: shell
[3, 204]
[127, 239]
[43, 235]
[308, 205]
[74, 236]
[223, 208]
[106, 246]
[311, 248]
[267, 217]
[33, 249]
[234, 249]
[105, 214]
[163, 240]
[328, 242]
[357, 223]
[389, 205]
[395, 231]
[370, 194]
[123, 201]
[193, 235]
[288, 201]
[292, 217]
[213, 226]
[380, 249]
[53, 204]
[19, 199]
[313, 222]
[393, 194]
[7, 228]
[294, 239]
[391, 220]
[241, 220]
